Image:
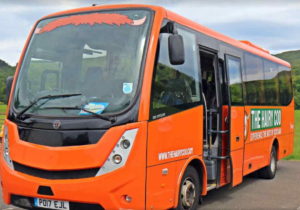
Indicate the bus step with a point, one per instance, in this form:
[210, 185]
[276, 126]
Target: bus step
[212, 111]
[216, 131]
[211, 186]
[220, 157]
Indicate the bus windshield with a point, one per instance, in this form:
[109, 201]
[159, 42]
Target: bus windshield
[95, 57]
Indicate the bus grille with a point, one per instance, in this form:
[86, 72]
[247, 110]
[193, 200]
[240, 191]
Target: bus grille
[55, 175]
[60, 138]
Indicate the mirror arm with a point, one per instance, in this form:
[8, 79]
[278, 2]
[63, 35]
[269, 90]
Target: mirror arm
[169, 28]
[9, 82]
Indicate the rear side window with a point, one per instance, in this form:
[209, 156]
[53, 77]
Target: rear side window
[175, 87]
[285, 85]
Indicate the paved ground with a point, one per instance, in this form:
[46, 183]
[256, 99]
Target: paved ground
[283, 192]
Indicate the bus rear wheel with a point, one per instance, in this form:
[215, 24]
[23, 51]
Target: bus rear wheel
[269, 171]
[189, 194]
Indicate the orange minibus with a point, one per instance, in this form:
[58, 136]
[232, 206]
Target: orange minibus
[136, 107]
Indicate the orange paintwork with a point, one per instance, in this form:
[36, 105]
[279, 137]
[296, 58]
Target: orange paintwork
[60, 158]
[100, 189]
[90, 19]
[255, 46]
[225, 174]
[237, 143]
[257, 152]
[178, 131]
[142, 176]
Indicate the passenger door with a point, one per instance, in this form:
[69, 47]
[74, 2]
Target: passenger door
[236, 117]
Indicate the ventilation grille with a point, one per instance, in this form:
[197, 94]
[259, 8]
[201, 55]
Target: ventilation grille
[68, 174]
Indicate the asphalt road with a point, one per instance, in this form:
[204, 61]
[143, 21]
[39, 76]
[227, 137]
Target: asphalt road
[283, 192]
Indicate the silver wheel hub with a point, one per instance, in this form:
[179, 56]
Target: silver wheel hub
[188, 193]
[273, 163]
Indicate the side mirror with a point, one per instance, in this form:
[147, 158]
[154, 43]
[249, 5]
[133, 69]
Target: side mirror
[9, 82]
[176, 49]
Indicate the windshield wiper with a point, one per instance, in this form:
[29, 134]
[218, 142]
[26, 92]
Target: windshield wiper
[112, 120]
[45, 97]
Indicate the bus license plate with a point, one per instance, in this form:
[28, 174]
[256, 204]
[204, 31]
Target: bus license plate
[51, 204]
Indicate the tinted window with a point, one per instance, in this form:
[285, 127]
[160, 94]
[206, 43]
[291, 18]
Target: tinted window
[271, 83]
[266, 82]
[235, 80]
[285, 85]
[175, 87]
[254, 80]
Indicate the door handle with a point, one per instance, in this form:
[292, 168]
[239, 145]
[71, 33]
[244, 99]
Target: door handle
[237, 138]
[246, 118]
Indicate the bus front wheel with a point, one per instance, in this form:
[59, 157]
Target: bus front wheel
[189, 194]
[269, 171]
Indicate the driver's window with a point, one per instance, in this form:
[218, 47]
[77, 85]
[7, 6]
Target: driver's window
[175, 87]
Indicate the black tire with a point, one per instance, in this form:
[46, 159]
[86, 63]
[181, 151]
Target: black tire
[189, 193]
[269, 171]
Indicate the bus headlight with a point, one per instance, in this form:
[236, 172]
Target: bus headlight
[118, 157]
[6, 154]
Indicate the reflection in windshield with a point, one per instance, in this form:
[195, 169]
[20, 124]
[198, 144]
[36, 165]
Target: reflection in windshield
[96, 54]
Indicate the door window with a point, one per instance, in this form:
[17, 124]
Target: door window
[235, 80]
[175, 87]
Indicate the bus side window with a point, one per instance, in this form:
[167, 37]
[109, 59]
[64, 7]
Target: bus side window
[235, 80]
[285, 85]
[175, 87]
[271, 83]
[254, 80]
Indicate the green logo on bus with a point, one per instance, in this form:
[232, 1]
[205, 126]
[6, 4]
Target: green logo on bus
[265, 118]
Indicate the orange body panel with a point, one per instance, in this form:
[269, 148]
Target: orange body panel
[107, 190]
[179, 131]
[257, 152]
[237, 143]
[166, 135]
[167, 144]
[60, 158]
[225, 166]
[163, 190]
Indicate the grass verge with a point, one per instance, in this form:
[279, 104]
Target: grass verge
[296, 153]
[2, 114]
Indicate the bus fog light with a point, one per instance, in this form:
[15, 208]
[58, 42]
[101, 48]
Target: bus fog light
[125, 144]
[117, 159]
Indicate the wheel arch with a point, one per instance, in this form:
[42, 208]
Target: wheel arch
[198, 164]
[276, 144]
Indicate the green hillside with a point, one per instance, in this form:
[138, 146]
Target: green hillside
[5, 71]
[293, 57]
